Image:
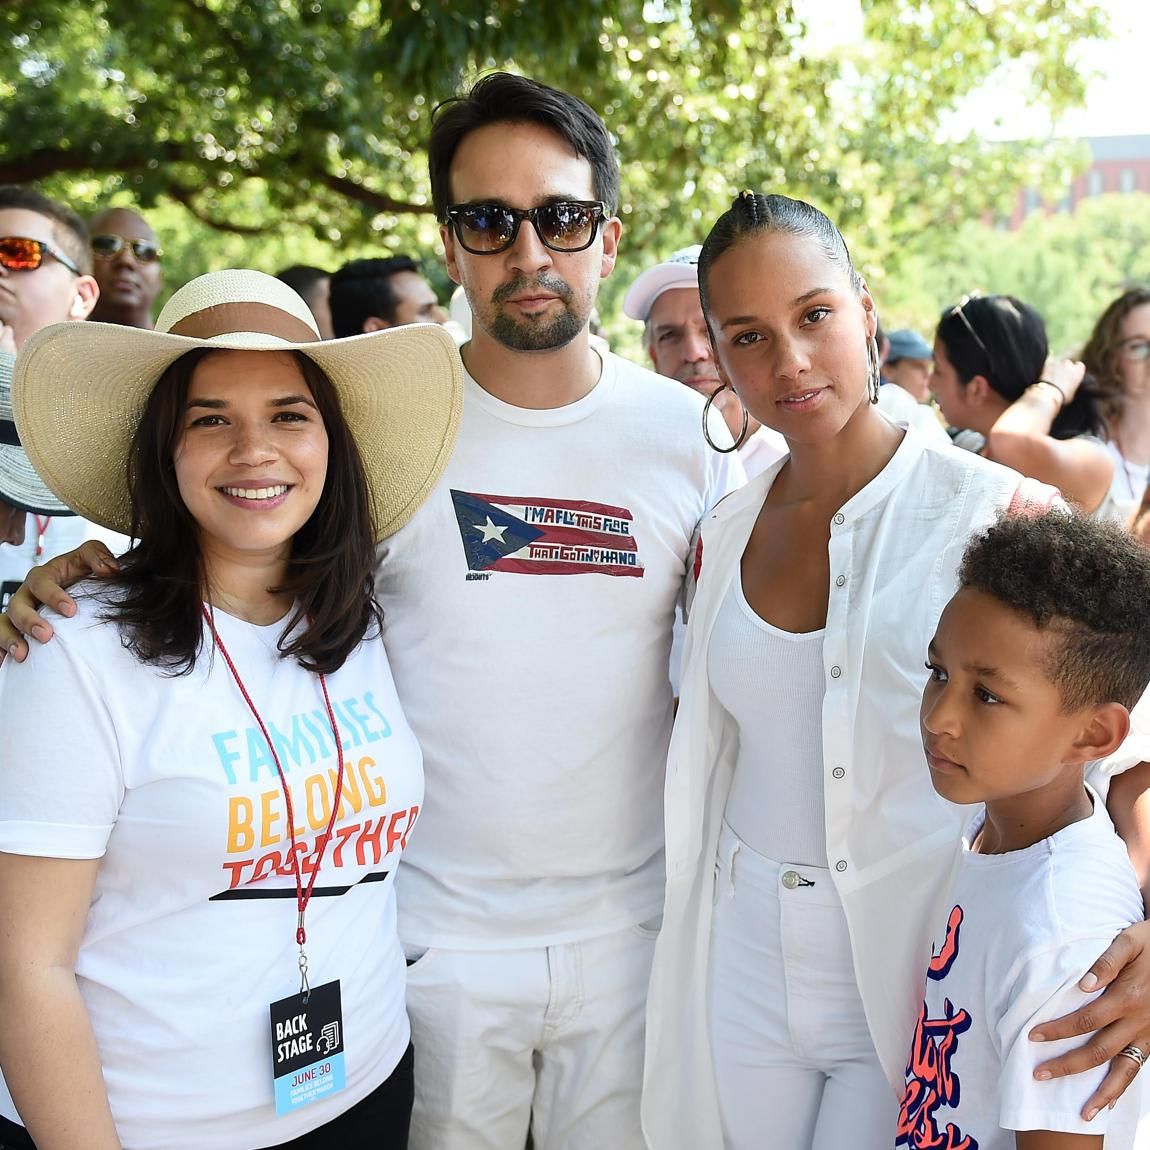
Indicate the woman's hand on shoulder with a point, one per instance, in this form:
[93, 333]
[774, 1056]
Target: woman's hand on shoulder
[44, 586]
[1116, 1019]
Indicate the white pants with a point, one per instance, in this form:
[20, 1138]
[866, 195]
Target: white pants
[551, 1036]
[794, 1061]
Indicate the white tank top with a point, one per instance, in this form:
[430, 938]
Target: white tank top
[771, 682]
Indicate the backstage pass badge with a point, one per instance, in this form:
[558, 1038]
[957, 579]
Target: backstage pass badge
[307, 1047]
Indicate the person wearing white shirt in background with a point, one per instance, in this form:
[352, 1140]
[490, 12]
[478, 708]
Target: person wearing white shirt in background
[665, 297]
[904, 395]
[806, 848]
[45, 278]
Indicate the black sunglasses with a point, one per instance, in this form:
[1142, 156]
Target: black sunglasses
[106, 247]
[564, 226]
[23, 254]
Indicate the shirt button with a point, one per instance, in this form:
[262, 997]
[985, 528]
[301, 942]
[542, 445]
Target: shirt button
[841, 866]
[841, 581]
[835, 672]
[838, 773]
[791, 879]
[840, 519]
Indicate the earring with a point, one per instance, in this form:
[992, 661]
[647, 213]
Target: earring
[874, 373]
[706, 414]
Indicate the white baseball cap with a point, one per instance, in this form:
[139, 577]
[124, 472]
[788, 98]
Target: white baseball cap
[680, 271]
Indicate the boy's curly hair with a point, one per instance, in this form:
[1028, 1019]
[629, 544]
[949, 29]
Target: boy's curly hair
[1087, 583]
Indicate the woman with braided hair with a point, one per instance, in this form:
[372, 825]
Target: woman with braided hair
[806, 846]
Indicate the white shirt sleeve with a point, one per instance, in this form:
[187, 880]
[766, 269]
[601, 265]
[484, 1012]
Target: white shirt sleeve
[1045, 988]
[61, 782]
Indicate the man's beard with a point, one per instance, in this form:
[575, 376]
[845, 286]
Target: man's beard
[537, 333]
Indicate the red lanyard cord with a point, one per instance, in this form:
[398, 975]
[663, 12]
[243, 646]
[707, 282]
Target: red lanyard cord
[303, 893]
[43, 522]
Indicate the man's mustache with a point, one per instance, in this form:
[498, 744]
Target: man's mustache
[524, 285]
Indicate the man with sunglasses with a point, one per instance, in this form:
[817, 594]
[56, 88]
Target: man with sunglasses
[529, 604]
[45, 265]
[127, 268]
[44, 279]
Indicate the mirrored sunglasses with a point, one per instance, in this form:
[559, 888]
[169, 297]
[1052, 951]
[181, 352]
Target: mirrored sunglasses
[564, 226]
[22, 254]
[106, 247]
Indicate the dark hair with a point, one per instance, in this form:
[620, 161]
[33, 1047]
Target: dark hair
[1011, 357]
[753, 213]
[158, 591]
[361, 289]
[69, 229]
[302, 278]
[1084, 581]
[504, 98]
[1102, 349]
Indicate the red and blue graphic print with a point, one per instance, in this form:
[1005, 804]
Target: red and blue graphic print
[529, 536]
[932, 1083]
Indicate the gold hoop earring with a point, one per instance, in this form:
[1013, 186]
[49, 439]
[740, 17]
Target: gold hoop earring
[706, 414]
[874, 372]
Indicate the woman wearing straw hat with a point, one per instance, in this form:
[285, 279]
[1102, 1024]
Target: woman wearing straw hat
[197, 848]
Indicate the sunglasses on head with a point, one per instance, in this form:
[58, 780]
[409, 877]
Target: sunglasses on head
[106, 247]
[22, 254]
[564, 226]
[958, 311]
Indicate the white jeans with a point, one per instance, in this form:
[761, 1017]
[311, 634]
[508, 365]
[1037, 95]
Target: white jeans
[794, 1061]
[551, 1036]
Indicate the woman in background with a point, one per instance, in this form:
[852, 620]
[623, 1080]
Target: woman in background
[1117, 355]
[993, 376]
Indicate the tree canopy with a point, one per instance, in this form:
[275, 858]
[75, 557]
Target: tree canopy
[273, 119]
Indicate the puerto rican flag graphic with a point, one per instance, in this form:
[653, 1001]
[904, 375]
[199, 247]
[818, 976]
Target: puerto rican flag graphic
[529, 536]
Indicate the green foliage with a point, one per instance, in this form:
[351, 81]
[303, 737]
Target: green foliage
[290, 126]
[1067, 265]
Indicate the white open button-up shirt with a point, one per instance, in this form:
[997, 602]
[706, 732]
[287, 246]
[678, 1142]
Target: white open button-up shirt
[892, 841]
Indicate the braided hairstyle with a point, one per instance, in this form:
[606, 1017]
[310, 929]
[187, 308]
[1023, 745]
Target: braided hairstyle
[753, 213]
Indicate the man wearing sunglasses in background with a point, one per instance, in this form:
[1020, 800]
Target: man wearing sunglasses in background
[126, 266]
[45, 278]
[45, 265]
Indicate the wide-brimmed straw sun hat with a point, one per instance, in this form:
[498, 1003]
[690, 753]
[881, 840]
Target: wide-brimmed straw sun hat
[80, 389]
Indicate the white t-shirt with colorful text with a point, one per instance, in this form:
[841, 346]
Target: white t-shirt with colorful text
[1018, 932]
[191, 933]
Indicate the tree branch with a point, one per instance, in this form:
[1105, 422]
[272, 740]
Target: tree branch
[184, 196]
[350, 190]
[43, 162]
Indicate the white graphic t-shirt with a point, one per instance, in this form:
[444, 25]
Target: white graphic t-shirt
[191, 933]
[1020, 930]
[527, 612]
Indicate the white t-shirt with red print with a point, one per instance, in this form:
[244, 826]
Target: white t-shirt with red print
[1017, 933]
[191, 933]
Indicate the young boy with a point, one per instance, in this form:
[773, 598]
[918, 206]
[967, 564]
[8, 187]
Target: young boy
[1034, 667]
